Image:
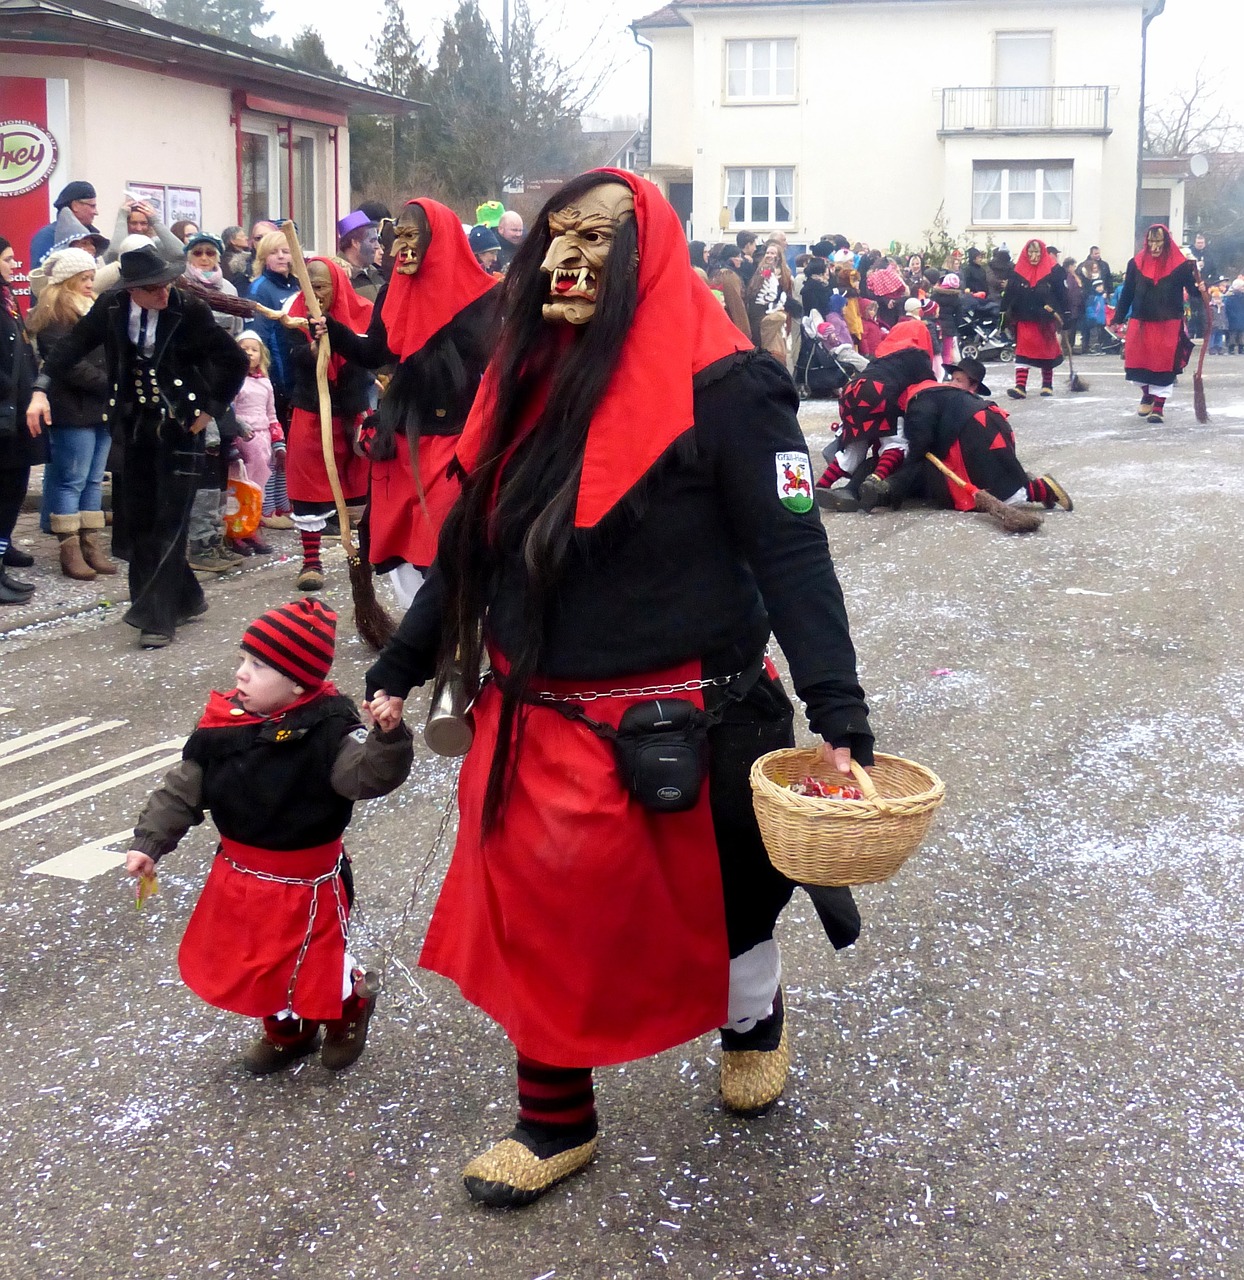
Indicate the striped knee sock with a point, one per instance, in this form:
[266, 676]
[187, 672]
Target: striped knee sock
[1039, 491]
[1021, 377]
[832, 472]
[310, 549]
[1047, 377]
[556, 1107]
[888, 463]
[1159, 403]
[280, 498]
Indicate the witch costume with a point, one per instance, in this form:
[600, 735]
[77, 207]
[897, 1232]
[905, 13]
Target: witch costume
[594, 925]
[1034, 303]
[436, 325]
[1157, 347]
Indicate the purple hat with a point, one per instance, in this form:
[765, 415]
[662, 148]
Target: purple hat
[352, 222]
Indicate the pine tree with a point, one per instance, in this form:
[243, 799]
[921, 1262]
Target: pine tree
[230, 19]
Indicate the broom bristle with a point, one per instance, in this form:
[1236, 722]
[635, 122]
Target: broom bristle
[371, 619]
[1078, 383]
[1198, 399]
[1012, 519]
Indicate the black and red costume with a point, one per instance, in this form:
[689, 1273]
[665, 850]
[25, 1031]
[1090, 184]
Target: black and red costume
[1034, 303]
[1157, 347]
[349, 385]
[596, 930]
[437, 326]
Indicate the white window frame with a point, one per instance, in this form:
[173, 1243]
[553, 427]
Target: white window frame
[770, 222]
[1039, 217]
[751, 63]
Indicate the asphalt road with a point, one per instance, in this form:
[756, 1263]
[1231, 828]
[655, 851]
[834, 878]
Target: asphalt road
[1029, 1068]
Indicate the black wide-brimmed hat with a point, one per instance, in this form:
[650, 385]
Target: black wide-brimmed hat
[146, 268]
[975, 370]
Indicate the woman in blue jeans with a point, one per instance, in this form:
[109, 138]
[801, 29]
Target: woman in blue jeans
[79, 438]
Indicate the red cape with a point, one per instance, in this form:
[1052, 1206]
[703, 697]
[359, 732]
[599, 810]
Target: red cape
[348, 307]
[907, 333]
[448, 280]
[1026, 271]
[1158, 268]
[679, 329]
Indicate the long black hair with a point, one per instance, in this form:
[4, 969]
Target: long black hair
[531, 521]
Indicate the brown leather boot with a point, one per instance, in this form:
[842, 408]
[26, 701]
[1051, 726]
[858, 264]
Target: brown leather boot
[92, 542]
[345, 1038]
[283, 1042]
[72, 563]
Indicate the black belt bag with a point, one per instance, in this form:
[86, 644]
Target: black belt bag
[661, 745]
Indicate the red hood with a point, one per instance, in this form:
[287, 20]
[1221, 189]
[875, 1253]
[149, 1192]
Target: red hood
[679, 328]
[1157, 268]
[449, 279]
[1026, 271]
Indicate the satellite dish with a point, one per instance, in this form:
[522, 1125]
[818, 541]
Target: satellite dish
[1198, 166]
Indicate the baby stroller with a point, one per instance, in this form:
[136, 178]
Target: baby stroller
[821, 372]
[981, 336]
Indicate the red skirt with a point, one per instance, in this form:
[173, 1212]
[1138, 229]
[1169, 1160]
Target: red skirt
[306, 480]
[1036, 342]
[592, 929]
[402, 526]
[240, 949]
[1155, 351]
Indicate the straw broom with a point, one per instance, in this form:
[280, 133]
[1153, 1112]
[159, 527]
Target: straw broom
[1198, 380]
[1076, 382]
[370, 618]
[1013, 519]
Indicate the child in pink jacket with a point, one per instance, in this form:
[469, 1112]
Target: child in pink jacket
[262, 442]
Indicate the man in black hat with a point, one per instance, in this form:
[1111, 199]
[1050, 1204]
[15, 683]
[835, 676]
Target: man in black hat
[173, 371]
[968, 375]
[78, 197]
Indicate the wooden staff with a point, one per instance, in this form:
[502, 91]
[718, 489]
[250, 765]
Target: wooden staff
[1013, 519]
[1198, 379]
[373, 623]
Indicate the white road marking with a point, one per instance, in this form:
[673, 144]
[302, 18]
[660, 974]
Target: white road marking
[62, 742]
[4, 711]
[65, 801]
[92, 772]
[40, 734]
[86, 861]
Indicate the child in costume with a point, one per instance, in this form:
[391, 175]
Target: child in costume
[279, 761]
[255, 409]
[350, 387]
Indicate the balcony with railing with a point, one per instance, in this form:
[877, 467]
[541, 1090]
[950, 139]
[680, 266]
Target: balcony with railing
[1027, 109]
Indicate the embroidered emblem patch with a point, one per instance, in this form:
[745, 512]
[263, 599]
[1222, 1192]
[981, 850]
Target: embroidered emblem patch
[359, 734]
[794, 482]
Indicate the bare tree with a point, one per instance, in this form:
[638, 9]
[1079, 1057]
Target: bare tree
[1191, 120]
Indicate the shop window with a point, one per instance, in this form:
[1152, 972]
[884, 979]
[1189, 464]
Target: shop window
[763, 197]
[760, 70]
[1027, 192]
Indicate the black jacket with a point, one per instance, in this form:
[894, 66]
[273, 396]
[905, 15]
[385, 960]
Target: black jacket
[973, 278]
[198, 366]
[18, 448]
[1022, 301]
[433, 389]
[349, 392]
[80, 397]
[1142, 299]
[701, 560]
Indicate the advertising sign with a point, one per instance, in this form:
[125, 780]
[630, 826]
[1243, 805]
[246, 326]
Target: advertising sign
[28, 156]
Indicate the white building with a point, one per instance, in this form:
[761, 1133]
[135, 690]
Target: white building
[867, 117]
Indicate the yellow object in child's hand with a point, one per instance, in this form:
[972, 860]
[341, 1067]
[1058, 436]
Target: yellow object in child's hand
[148, 885]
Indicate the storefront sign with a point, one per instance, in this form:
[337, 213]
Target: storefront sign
[27, 156]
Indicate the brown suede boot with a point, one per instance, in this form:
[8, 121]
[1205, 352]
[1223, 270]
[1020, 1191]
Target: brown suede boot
[72, 563]
[283, 1042]
[345, 1038]
[92, 542]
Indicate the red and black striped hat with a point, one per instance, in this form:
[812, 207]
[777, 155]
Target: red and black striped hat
[296, 639]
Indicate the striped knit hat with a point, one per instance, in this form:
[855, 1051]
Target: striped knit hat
[296, 639]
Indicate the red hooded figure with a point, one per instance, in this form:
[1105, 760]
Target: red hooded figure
[1034, 303]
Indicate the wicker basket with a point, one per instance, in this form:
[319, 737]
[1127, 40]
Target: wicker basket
[836, 842]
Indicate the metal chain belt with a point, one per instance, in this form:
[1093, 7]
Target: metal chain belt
[648, 691]
[314, 886]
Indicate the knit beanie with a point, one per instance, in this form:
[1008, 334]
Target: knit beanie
[912, 306]
[252, 334]
[295, 639]
[66, 263]
[74, 191]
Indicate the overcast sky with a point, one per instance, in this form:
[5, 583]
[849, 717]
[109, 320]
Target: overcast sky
[1189, 32]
